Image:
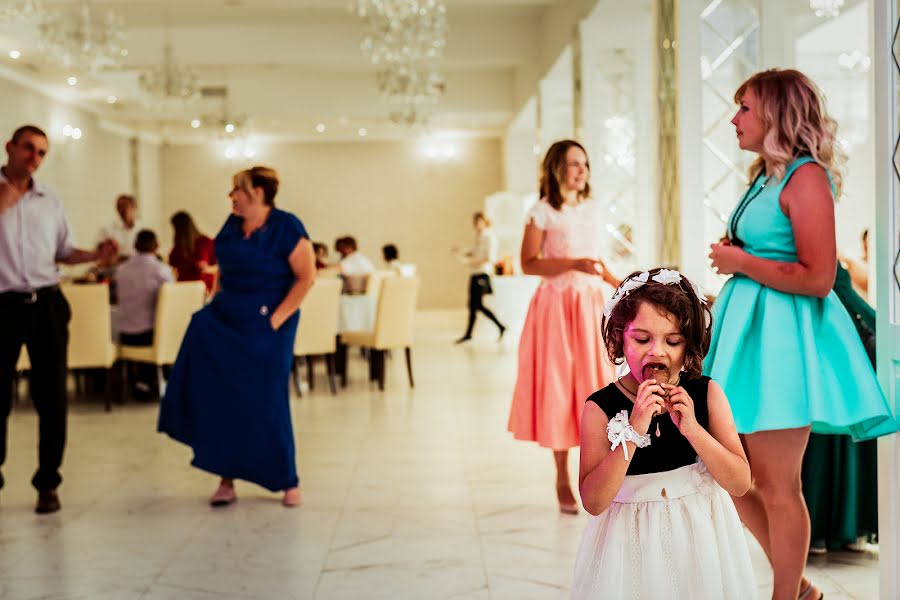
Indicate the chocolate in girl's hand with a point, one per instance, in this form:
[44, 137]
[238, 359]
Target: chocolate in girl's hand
[657, 371]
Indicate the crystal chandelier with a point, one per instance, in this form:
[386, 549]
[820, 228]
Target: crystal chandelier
[85, 42]
[826, 8]
[405, 39]
[168, 81]
[27, 10]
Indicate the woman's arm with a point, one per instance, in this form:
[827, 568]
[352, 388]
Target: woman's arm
[534, 264]
[808, 203]
[720, 447]
[303, 264]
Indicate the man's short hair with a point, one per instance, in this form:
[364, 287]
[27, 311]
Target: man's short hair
[145, 241]
[21, 131]
[127, 197]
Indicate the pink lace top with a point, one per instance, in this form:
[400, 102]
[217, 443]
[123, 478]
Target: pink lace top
[571, 232]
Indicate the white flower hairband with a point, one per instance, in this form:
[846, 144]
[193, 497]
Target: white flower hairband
[665, 277]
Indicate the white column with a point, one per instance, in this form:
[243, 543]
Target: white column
[617, 100]
[776, 47]
[690, 142]
[556, 113]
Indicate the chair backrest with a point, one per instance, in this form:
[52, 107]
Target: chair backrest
[318, 324]
[176, 303]
[396, 312]
[90, 330]
[376, 278]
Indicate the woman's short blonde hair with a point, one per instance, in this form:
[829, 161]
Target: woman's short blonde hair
[796, 123]
[258, 177]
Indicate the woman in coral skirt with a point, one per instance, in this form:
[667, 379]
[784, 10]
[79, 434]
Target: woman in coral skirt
[562, 358]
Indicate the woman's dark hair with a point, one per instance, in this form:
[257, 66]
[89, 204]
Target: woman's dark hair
[390, 252]
[678, 299]
[553, 171]
[347, 242]
[186, 234]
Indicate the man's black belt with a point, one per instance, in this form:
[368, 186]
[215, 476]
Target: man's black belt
[30, 297]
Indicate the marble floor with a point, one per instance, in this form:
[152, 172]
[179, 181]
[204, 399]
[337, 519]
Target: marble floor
[408, 494]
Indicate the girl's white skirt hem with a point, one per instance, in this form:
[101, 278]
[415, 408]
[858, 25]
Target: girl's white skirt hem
[667, 536]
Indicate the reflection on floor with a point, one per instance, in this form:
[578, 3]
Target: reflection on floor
[408, 494]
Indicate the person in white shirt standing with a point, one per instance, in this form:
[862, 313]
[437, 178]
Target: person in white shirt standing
[34, 236]
[479, 260]
[138, 281]
[124, 229]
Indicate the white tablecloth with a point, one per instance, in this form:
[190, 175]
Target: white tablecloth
[511, 297]
[357, 313]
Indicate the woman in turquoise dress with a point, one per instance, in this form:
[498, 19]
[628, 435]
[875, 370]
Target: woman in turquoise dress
[228, 396]
[784, 348]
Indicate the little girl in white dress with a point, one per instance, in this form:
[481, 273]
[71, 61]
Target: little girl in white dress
[660, 456]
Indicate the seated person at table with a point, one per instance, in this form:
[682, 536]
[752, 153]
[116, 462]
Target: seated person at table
[193, 254]
[355, 268]
[321, 251]
[139, 279]
[392, 259]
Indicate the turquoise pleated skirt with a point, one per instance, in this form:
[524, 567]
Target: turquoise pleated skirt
[787, 360]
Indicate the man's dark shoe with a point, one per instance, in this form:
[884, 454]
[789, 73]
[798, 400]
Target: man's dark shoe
[47, 502]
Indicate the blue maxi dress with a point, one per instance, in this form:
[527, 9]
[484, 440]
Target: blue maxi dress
[227, 396]
[788, 360]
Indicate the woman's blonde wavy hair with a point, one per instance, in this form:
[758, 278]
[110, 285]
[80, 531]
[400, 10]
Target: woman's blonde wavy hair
[796, 123]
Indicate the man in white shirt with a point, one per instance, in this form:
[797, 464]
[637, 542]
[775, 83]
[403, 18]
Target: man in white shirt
[124, 229]
[355, 268]
[138, 280]
[34, 236]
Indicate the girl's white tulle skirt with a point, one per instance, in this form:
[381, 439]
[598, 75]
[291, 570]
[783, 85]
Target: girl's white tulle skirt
[667, 536]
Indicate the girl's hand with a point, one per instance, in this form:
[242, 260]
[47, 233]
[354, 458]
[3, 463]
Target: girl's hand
[588, 265]
[681, 409]
[648, 404]
[726, 258]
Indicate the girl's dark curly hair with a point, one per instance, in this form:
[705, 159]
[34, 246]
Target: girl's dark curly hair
[693, 317]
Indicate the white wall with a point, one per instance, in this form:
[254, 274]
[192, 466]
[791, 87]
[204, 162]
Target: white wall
[379, 192]
[87, 174]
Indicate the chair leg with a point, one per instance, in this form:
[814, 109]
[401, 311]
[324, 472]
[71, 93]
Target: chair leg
[295, 371]
[123, 381]
[310, 374]
[108, 389]
[329, 367]
[412, 384]
[373, 366]
[379, 360]
[340, 357]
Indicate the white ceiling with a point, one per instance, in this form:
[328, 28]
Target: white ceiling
[291, 64]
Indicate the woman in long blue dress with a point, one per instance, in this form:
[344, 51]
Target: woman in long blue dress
[227, 396]
[784, 348]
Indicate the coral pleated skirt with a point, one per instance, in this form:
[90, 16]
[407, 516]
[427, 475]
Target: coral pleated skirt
[562, 361]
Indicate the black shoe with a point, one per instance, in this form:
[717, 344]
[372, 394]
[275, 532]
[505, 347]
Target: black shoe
[463, 339]
[47, 502]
